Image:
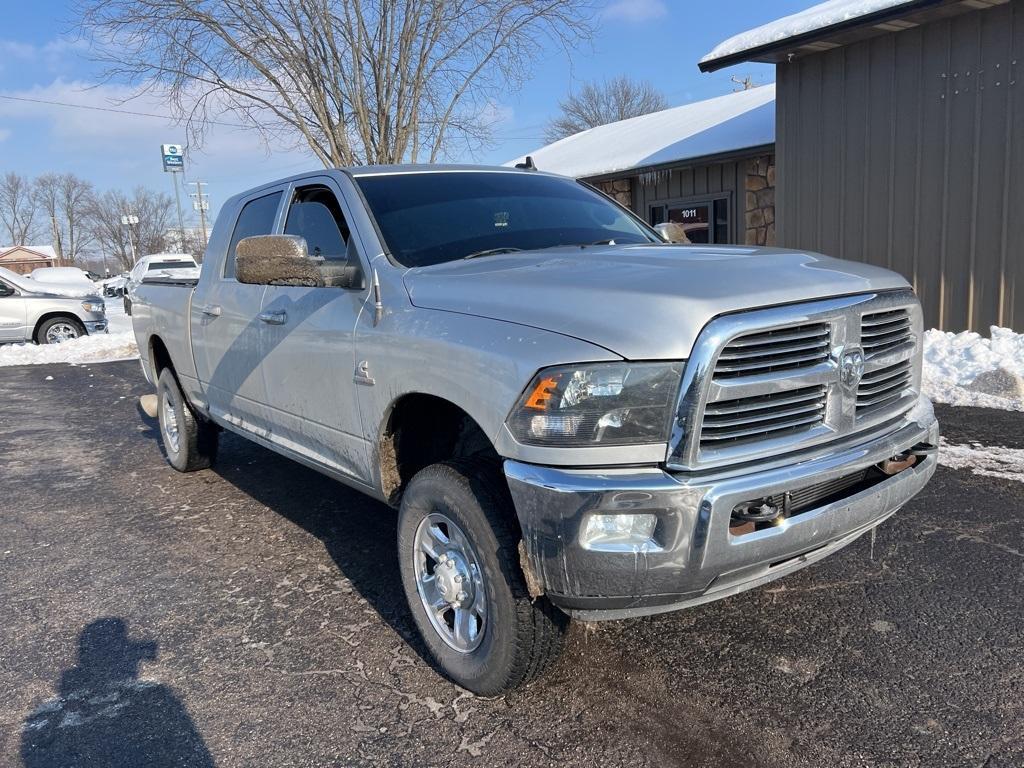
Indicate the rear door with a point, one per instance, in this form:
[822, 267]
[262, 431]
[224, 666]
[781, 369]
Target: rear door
[225, 323]
[308, 347]
[13, 314]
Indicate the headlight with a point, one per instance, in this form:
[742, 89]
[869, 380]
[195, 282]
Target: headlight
[574, 406]
[94, 306]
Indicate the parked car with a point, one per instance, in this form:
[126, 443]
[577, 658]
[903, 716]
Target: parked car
[573, 417]
[47, 313]
[115, 286]
[172, 264]
[63, 275]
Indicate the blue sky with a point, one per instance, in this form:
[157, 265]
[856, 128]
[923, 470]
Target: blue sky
[658, 40]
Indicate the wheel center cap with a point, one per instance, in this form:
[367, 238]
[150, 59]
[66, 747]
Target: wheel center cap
[452, 578]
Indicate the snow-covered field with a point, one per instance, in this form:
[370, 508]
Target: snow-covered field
[119, 344]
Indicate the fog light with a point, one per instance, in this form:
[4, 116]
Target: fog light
[620, 533]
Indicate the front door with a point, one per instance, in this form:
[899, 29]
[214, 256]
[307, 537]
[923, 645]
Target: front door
[308, 343]
[226, 327]
[12, 314]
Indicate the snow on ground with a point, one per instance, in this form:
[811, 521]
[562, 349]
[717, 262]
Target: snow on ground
[1004, 463]
[953, 363]
[814, 18]
[119, 344]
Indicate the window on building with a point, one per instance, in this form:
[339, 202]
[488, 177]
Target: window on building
[704, 221]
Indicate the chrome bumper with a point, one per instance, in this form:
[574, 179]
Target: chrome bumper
[697, 559]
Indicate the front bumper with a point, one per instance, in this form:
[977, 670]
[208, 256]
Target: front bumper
[96, 326]
[697, 558]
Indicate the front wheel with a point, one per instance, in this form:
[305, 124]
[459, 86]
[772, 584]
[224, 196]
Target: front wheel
[58, 329]
[189, 442]
[459, 559]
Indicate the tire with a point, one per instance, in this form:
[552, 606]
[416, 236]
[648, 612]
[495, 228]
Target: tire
[190, 442]
[58, 329]
[517, 638]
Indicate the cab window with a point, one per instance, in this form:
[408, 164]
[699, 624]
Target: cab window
[256, 218]
[315, 215]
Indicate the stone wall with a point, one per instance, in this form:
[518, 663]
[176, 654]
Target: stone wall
[759, 211]
[620, 189]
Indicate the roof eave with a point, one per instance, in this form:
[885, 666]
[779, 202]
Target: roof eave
[770, 52]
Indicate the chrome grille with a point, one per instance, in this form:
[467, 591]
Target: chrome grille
[782, 349]
[762, 416]
[762, 383]
[882, 387]
[882, 331]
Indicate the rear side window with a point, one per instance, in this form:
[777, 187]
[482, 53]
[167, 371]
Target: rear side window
[316, 216]
[161, 265]
[256, 218]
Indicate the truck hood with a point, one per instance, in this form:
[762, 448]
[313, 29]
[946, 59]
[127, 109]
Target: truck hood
[643, 302]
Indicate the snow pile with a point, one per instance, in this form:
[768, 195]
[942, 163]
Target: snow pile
[102, 347]
[814, 18]
[967, 369]
[119, 344]
[1004, 463]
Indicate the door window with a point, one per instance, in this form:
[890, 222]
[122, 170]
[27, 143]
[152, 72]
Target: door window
[256, 218]
[316, 216]
[704, 221]
[5, 289]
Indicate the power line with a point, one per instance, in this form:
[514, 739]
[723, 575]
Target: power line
[168, 118]
[119, 111]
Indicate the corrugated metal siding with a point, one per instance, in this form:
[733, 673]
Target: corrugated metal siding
[712, 180]
[907, 151]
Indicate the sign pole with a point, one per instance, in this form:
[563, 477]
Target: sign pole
[181, 225]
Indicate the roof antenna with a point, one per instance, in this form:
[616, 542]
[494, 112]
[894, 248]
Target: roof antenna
[378, 305]
[528, 165]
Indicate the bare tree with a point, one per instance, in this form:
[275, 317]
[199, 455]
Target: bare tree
[64, 199]
[377, 81]
[153, 210]
[17, 208]
[602, 103]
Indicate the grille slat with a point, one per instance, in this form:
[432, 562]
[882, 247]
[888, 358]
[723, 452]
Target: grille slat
[764, 431]
[743, 405]
[754, 354]
[883, 387]
[882, 331]
[763, 416]
[796, 410]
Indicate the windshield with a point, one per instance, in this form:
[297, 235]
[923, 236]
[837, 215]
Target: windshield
[430, 218]
[162, 265]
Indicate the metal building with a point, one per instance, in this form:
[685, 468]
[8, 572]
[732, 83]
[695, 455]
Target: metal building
[900, 142]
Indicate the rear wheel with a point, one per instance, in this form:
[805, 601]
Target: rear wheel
[459, 558]
[58, 329]
[190, 443]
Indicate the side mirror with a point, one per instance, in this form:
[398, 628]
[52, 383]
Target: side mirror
[276, 260]
[672, 232]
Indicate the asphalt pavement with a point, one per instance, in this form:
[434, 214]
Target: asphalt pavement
[251, 615]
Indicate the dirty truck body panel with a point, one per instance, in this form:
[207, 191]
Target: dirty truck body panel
[764, 381]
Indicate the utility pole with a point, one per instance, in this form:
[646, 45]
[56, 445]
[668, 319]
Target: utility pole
[200, 203]
[57, 245]
[181, 224]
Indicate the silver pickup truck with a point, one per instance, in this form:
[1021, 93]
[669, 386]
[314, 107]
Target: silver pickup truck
[47, 313]
[573, 417]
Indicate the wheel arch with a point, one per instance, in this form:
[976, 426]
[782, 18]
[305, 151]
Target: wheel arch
[54, 315]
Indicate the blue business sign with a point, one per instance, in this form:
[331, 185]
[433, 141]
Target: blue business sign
[173, 157]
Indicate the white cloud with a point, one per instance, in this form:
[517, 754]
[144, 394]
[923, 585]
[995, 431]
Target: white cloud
[635, 10]
[53, 56]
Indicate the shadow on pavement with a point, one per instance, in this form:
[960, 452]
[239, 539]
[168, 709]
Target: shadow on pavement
[105, 716]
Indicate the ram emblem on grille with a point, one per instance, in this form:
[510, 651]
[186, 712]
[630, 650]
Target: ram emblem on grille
[851, 369]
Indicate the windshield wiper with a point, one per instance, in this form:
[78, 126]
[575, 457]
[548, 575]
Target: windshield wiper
[491, 252]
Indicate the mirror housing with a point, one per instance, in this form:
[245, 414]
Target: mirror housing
[285, 260]
[672, 232]
[276, 260]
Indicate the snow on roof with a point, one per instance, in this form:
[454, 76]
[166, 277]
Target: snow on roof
[735, 121]
[814, 18]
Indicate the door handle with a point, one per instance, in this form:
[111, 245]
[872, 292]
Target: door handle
[211, 310]
[277, 317]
